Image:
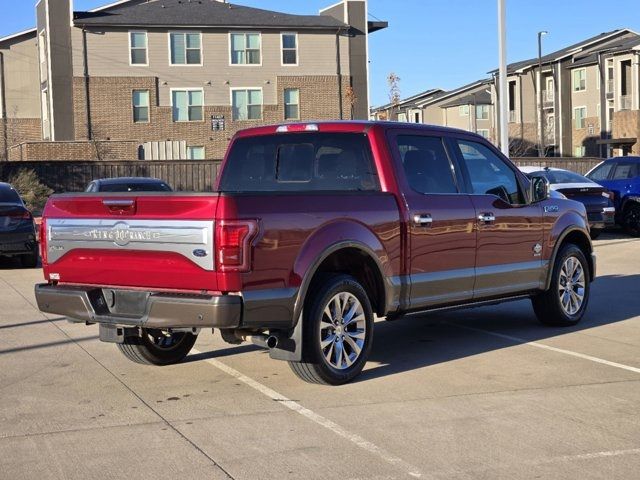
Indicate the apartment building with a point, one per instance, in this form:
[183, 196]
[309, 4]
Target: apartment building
[582, 100]
[175, 79]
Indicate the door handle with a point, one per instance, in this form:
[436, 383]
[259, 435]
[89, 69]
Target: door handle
[487, 217]
[422, 220]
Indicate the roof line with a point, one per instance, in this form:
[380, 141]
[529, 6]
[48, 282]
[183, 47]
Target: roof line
[18, 34]
[457, 91]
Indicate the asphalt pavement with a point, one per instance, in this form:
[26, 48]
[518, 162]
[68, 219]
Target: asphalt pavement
[486, 393]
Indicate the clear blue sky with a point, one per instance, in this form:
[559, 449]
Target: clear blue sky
[435, 43]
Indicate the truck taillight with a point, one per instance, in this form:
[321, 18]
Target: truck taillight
[42, 234]
[233, 244]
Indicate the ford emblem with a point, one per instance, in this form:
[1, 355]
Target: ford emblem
[200, 253]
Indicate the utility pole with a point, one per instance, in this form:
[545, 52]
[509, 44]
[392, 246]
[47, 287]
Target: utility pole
[541, 152]
[502, 89]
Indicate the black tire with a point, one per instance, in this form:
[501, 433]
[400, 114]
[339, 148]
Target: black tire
[147, 351]
[548, 305]
[315, 367]
[595, 233]
[30, 260]
[631, 220]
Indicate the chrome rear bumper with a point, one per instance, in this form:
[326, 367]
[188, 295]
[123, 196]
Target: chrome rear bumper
[154, 310]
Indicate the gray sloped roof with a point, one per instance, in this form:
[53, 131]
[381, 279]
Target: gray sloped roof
[414, 98]
[618, 46]
[478, 98]
[199, 13]
[563, 52]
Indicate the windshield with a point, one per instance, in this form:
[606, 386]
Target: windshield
[135, 187]
[561, 176]
[9, 195]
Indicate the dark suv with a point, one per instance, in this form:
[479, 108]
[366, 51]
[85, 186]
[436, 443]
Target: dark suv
[621, 175]
[311, 231]
[17, 229]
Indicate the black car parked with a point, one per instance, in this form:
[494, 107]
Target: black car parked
[17, 228]
[128, 184]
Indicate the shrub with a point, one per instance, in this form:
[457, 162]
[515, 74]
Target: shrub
[33, 192]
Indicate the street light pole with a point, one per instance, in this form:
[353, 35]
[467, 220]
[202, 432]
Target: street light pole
[541, 152]
[502, 87]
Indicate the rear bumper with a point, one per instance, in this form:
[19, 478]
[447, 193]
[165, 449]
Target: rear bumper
[17, 243]
[600, 219]
[156, 310]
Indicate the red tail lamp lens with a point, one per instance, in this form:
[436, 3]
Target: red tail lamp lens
[233, 243]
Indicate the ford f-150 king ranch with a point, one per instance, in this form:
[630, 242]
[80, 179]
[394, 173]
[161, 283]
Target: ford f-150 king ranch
[312, 231]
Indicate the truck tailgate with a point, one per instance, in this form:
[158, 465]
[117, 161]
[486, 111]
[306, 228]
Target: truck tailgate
[147, 241]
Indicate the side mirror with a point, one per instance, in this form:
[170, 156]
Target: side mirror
[540, 189]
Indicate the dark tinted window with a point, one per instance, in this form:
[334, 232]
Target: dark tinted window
[560, 176]
[601, 172]
[8, 195]
[135, 187]
[625, 170]
[298, 162]
[426, 164]
[488, 173]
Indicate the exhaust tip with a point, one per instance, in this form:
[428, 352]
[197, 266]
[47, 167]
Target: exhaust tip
[272, 341]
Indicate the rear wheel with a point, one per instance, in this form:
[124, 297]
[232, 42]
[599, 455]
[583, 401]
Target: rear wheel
[631, 220]
[566, 300]
[338, 333]
[158, 347]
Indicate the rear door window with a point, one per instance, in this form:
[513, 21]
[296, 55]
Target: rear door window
[299, 162]
[426, 164]
[601, 172]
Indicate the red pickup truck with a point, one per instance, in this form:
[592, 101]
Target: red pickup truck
[314, 229]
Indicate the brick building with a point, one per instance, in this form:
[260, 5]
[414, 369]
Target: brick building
[174, 79]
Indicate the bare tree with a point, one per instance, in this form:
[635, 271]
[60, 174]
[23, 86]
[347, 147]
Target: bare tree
[393, 81]
[352, 98]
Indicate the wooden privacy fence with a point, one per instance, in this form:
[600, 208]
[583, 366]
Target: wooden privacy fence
[73, 176]
[578, 165]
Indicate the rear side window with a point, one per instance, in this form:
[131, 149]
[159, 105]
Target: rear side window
[135, 187]
[9, 195]
[601, 172]
[300, 162]
[426, 164]
[625, 171]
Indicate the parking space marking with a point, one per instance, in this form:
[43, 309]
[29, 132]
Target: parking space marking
[524, 341]
[316, 418]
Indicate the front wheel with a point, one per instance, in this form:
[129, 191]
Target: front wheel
[158, 347]
[631, 220]
[338, 333]
[566, 300]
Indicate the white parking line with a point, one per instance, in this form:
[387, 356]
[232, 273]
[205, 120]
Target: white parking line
[547, 347]
[316, 418]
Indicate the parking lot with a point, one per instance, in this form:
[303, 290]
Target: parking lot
[483, 393]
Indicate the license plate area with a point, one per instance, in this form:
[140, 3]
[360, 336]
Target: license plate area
[126, 302]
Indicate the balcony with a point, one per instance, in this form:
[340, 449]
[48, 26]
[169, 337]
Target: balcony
[625, 102]
[548, 97]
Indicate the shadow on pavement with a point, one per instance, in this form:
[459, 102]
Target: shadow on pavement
[35, 322]
[416, 342]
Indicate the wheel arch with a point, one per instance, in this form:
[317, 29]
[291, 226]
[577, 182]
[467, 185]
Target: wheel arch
[579, 237]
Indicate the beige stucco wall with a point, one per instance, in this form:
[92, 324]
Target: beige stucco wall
[21, 77]
[590, 97]
[109, 56]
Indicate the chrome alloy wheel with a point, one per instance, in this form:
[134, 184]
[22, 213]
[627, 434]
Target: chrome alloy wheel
[571, 286]
[343, 330]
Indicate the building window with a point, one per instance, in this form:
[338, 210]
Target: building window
[579, 80]
[292, 104]
[141, 106]
[138, 44]
[579, 151]
[245, 49]
[464, 110]
[195, 153]
[187, 105]
[482, 112]
[483, 132]
[247, 104]
[579, 116]
[289, 49]
[402, 117]
[186, 48]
